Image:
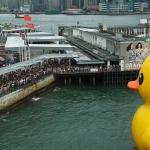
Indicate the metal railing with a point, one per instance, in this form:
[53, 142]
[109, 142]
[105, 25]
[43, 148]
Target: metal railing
[15, 85]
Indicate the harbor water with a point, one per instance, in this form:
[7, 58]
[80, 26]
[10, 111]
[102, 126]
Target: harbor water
[51, 22]
[73, 117]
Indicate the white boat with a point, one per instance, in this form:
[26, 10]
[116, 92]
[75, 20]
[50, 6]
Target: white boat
[6, 30]
[35, 43]
[17, 15]
[39, 42]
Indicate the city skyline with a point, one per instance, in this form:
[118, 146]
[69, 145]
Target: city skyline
[42, 5]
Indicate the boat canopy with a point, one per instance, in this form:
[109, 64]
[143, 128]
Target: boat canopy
[33, 34]
[24, 28]
[39, 38]
[51, 47]
[14, 42]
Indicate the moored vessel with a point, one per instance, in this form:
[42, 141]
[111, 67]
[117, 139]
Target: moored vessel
[52, 12]
[17, 15]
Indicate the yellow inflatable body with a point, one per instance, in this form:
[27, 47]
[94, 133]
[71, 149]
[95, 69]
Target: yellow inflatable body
[141, 119]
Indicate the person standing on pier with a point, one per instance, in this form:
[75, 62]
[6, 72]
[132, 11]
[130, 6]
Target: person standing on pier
[131, 55]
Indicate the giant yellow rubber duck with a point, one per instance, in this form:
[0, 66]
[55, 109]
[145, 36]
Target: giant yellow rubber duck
[141, 119]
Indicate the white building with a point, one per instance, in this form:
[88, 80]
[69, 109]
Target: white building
[144, 6]
[26, 8]
[137, 6]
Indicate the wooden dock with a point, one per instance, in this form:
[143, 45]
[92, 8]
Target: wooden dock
[105, 78]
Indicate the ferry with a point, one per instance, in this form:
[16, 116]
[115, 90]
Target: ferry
[36, 43]
[52, 12]
[31, 43]
[6, 29]
[17, 15]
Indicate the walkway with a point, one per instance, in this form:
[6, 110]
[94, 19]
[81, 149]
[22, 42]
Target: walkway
[90, 49]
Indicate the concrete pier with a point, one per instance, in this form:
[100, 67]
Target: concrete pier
[12, 98]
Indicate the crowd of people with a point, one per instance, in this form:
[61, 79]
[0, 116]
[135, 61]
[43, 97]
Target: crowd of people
[21, 78]
[85, 69]
[17, 79]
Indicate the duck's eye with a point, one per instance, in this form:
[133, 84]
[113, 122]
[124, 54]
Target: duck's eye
[141, 78]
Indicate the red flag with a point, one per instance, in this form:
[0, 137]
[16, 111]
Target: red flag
[30, 25]
[26, 17]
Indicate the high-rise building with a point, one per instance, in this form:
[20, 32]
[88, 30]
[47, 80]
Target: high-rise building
[53, 4]
[85, 3]
[92, 2]
[35, 5]
[4, 3]
[45, 6]
[15, 5]
[26, 2]
[38, 5]
[116, 2]
[68, 4]
[41, 5]
[77, 3]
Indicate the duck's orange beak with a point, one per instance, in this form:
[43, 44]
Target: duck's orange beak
[133, 85]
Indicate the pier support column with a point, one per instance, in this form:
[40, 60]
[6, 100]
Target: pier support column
[121, 63]
[108, 63]
[90, 78]
[65, 81]
[69, 80]
[93, 79]
[79, 80]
